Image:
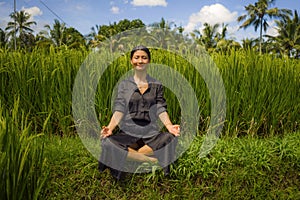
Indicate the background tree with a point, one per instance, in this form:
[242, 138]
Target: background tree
[107, 31]
[250, 43]
[59, 35]
[208, 36]
[3, 38]
[288, 39]
[111, 33]
[92, 38]
[223, 43]
[161, 33]
[56, 33]
[73, 38]
[20, 26]
[256, 16]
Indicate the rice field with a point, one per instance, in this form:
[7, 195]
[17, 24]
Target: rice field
[262, 91]
[262, 123]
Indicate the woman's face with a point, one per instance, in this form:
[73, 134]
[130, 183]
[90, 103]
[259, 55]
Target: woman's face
[139, 60]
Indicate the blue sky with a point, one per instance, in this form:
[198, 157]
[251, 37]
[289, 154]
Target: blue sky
[190, 14]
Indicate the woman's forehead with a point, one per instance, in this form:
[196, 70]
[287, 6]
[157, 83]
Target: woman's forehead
[140, 52]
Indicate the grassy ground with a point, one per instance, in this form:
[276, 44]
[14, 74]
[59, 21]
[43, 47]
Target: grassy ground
[237, 168]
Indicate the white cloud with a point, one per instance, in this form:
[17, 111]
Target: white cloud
[33, 11]
[80, 7]
[115, 10]
[272, 29]
[212, 14]
[232, 30]
[6, 9]
[149, 3]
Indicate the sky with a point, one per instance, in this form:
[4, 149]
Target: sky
[190, 14]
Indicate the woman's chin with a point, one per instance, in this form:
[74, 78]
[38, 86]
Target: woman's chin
[140, 68]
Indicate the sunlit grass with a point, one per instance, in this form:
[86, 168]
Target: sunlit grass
[261, 91]
[262, 100]
[22, 164]
[243, 168]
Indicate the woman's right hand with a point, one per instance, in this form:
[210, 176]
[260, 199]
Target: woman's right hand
[105, 132]
[174, 129]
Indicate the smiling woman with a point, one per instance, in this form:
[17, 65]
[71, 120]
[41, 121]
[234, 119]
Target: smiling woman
[137, 107]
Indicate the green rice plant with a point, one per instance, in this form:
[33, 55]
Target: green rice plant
[43, 80]
[22, 165]
[261, 91]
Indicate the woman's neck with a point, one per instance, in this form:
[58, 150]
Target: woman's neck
[140, 77]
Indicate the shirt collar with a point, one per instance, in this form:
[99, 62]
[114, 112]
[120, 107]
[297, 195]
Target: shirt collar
[148, 78]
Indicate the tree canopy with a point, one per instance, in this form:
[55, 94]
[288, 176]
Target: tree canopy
[213, 37]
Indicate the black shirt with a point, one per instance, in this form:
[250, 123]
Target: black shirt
[140, 111]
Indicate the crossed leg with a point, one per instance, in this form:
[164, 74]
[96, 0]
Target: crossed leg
[143, 154]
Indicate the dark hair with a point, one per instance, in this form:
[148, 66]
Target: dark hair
[140, 47]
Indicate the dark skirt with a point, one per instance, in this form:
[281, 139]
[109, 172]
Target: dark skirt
[114, 150]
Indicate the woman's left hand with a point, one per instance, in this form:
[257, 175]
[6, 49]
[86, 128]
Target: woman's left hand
[174, 129]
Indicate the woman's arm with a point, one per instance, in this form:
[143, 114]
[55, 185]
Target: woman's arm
[118, 110]
[114, 121]
[174, 129]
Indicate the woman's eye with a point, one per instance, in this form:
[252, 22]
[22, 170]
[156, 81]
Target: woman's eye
[143, 57]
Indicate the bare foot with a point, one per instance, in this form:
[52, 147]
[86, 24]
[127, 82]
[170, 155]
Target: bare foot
[152, 160]
[132, 155]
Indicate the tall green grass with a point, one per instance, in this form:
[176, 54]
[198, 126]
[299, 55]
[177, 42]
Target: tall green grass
[43, 81]
[22, 164]
[237, 168]
[262, 91]
[262, 99]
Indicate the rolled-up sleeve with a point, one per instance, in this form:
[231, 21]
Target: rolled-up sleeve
[160, 100]
[120, 101]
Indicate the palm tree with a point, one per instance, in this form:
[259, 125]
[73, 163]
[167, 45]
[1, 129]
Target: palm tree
[114, 35]
[93, 37]
[161, 34]
[20, 24]
[207, 37]
[288, 39]
[250, 43]
[3, 38]
[256, 15]
[73, 38]
[57, 33]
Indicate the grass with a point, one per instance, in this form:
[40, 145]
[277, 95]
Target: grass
[261, 91]
[254, 159]
[22, 163]
[239, 168]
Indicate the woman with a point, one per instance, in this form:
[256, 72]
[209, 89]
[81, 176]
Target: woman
[138, 105]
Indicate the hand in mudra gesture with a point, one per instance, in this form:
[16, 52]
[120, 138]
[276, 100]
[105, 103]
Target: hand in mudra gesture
[105, 132]
[174, 129]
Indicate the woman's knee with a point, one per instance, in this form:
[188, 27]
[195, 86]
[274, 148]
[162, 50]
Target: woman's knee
[164, 139]
[168, 137]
